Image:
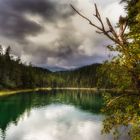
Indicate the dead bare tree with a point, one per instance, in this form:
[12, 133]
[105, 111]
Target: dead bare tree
[117, 37]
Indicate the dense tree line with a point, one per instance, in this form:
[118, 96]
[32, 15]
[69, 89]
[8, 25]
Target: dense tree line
[83, 77]
[15, 75]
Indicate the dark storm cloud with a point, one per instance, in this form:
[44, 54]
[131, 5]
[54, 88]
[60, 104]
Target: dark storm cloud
[14, 24]
[65, 50]
[17, 27]
[48, 32]
[65, 54]
[49, 9]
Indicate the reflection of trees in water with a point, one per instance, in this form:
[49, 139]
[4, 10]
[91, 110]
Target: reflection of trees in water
[13, 107]
[88, 101]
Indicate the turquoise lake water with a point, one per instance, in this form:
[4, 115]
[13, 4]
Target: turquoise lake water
[52, 115]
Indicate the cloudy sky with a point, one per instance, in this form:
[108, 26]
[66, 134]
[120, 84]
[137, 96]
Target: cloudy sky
[50, 33]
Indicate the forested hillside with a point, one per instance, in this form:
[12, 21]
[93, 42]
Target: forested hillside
[83, 77]
[15, 75]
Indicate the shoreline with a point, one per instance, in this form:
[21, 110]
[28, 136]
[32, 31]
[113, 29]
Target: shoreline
[11, 92]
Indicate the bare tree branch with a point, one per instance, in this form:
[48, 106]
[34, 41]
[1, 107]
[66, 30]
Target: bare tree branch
[98, 16]
[111, 27]
[117, 38]
[90, 22]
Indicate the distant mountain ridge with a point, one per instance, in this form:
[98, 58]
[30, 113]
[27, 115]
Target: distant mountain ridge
[62, 69]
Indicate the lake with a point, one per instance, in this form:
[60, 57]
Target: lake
[52, 115]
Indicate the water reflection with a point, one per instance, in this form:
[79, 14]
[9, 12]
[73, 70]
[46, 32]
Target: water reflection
[57, 122]
[54, 115]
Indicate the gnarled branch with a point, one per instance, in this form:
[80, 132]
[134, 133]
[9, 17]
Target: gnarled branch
[117, 38]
